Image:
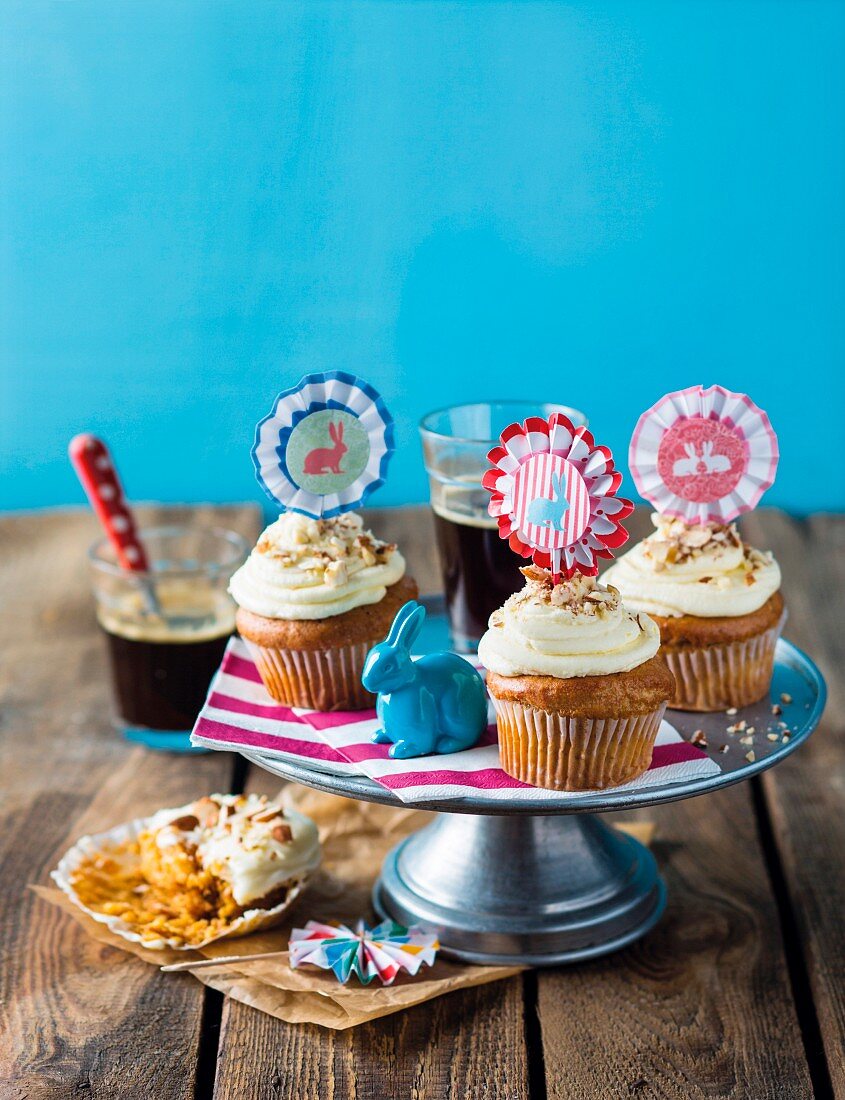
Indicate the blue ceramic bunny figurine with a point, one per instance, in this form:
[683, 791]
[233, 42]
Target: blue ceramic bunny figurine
[435, 704]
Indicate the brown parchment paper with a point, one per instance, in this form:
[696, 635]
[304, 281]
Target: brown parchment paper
[356, 836]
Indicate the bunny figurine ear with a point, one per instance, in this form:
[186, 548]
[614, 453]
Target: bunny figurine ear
[399, 620]
[703, 455]
[411, 625]
[325, 445]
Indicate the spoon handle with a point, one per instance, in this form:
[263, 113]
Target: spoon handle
[95, 469]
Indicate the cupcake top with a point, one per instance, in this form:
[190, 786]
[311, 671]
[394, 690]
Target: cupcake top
[303, 568]
[704, 570]
[576, 628]
[245, 840]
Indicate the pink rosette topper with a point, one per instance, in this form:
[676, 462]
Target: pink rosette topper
[554, 494]
[703, 455]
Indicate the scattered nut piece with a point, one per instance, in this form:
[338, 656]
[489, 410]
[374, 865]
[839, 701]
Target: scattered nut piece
[776, 709]
[785, 697]
[724, 748]
[746, 740]
[731, 711]
[750, 757]
[698, 738]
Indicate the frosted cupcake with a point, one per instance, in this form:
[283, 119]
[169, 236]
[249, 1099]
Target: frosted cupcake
[718, 605]
[313, 597]
[577, 683]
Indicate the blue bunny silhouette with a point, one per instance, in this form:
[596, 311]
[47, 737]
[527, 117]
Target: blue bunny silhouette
[543, 512]
[435, 704]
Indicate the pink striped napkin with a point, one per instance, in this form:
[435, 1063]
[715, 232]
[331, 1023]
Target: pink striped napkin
[240, 714]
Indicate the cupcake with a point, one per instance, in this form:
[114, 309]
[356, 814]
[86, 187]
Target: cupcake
[718, 605]
[224, 865]
[577, 684]
[313, 597]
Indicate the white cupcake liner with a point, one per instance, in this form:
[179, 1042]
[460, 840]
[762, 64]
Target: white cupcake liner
[574, 754]
[105, 843]
[315, 679]
[717, 677]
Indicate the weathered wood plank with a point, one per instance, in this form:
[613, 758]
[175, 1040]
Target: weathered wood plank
[468, 1044]
[75, 1015]
[699, 1008]
[806, 794]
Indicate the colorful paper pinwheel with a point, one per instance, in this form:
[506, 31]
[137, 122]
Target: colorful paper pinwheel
[368, 952]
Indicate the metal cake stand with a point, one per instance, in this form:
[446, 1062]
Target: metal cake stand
[547, 882]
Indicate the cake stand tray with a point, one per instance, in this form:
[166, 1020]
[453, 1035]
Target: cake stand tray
[547, 882]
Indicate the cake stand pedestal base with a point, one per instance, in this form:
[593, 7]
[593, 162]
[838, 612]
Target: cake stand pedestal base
[521, 888]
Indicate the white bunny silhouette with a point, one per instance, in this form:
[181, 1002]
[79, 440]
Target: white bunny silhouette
[704, 463]
[716, 464]
[686, 467]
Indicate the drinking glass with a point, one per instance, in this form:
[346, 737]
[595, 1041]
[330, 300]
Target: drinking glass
[166, 629]
[479, 569]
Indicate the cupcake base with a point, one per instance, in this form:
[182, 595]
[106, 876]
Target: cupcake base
[574, 754]
[318, 679]
[724, 675]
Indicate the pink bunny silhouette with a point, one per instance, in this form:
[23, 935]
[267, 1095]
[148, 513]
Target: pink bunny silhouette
[326, 460]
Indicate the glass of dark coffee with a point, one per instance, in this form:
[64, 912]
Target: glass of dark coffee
[479, 569]
[166, 629]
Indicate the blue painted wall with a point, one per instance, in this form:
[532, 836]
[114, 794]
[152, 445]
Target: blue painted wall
[584, 202]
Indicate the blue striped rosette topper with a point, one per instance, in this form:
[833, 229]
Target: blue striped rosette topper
[553, 492]
[324, 446]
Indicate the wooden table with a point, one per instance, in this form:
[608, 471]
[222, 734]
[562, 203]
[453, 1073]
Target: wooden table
[740, 991]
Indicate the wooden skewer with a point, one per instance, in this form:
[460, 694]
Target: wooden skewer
[224, 960]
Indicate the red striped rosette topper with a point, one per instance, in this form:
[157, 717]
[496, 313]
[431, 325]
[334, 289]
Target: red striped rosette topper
[703, 455]
[553, 492]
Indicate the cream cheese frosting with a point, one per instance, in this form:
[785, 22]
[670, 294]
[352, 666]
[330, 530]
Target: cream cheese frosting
[246, 840]
[703, 569]
[303, 568]
[576, 628]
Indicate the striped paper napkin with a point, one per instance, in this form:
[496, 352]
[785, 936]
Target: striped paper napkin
[240, 714]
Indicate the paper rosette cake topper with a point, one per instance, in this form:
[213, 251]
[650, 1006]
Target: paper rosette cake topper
[703, 456]
[325, 445]
[554, 494]
[380, 952]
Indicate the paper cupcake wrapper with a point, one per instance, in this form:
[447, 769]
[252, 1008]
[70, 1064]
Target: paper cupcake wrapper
[315, 679]
[251, 921]
[574, 754]
[716, 677]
